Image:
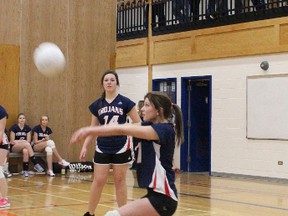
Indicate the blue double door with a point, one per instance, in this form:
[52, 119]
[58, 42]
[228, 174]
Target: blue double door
[196, 109]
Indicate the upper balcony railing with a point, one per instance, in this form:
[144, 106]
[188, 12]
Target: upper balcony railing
[170, 16]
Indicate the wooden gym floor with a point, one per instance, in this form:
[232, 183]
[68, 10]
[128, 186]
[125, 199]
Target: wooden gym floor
[199, 195]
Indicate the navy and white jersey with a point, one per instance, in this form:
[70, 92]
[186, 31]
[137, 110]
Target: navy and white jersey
[41, 134]
[20, 134]
[154, 161]
[4, 114]
[112, 113]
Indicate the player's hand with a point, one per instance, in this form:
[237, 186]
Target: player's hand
[79, 135]
[46, 137]
[83, 152]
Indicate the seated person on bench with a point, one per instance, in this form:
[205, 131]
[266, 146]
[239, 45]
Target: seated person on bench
[20, 138]
[42, 142]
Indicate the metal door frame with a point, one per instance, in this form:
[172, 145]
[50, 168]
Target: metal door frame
[185, 106]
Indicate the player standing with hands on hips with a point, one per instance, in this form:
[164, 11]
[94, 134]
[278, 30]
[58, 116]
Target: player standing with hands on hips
[158, 137]
[110, 109]
[4, 148]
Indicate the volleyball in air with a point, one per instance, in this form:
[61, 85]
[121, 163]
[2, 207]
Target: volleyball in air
[49, 59]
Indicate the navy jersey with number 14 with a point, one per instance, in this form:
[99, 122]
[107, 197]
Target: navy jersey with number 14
[112, 113]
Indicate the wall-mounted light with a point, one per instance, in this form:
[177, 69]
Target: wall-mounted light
[264, 65]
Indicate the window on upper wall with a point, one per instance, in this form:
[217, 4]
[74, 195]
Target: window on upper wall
[167, 86]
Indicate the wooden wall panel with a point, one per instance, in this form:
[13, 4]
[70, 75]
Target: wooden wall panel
[44, 21]
[10, 21]
[227, 41]
[9, 80]
[252, 41]
[284, 34]
[131, 53]
[266, 36]
[179, 46]
[88, 40]
[92, 46]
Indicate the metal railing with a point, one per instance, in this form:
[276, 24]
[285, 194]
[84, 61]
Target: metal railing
[132, 19]
[182, 15]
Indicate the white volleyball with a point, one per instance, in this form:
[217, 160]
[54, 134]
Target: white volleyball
[49, 59]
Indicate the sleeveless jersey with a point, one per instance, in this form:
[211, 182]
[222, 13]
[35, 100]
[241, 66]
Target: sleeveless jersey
[112, 113]
[20, 134]
[154, 168]
[4, 114]
[41, 134]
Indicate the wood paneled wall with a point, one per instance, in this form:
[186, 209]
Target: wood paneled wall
[253, 38]
[85, 32]
[9, 80]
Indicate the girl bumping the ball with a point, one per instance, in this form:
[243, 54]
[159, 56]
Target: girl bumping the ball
[158, 136]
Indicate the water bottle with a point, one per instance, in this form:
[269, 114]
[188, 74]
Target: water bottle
[63, 170]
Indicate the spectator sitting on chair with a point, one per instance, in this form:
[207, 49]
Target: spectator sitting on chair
[20, 139]
[42, 142]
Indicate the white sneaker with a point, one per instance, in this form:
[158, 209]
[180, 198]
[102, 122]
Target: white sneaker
[7, 174]
[64, 163]
[26, 173]
[38, 168]
[50, 173]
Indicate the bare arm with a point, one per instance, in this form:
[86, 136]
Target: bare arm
[29, 137]
[12, 137]
[35, 139]
[88, 139]
[142, 132]
[133, 114]
[2, 128]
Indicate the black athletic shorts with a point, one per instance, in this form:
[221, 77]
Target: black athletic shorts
[11, 147]
[6, 147]
[122, 158]
[164, 205]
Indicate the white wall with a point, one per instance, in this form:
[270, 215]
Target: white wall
[231, 151]
[133, 82]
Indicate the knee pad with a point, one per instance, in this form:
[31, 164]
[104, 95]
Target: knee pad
[51, 144]
[1, 172]
[48, 150]
[113, 213]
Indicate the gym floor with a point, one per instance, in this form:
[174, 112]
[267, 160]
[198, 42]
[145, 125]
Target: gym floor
[199, 195]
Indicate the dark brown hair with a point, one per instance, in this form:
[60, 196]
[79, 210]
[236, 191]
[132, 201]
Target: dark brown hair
[161, 100]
